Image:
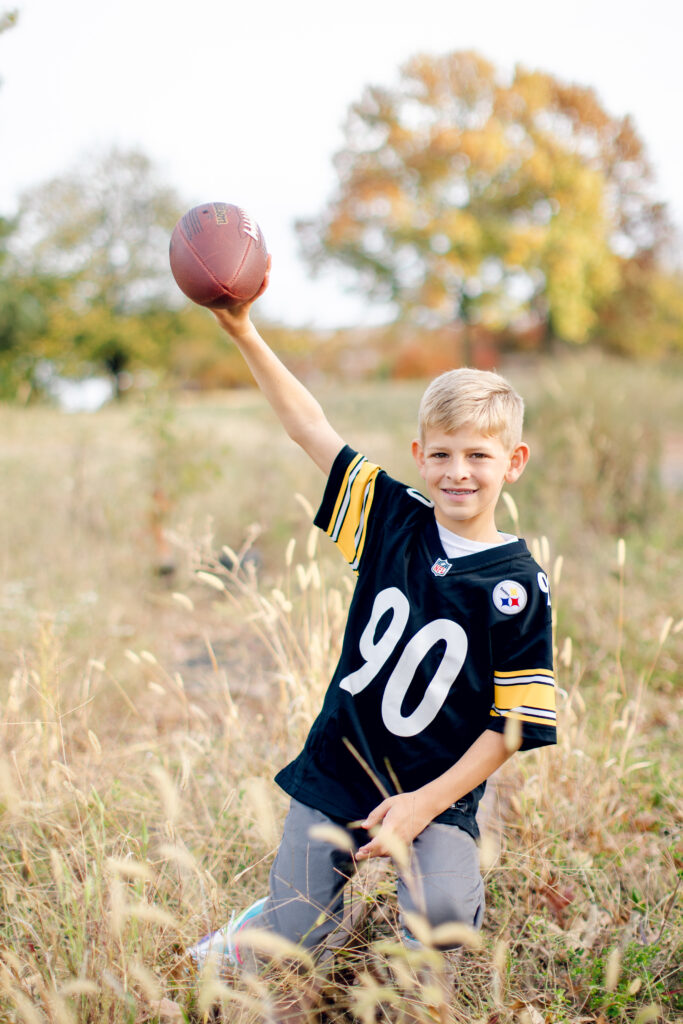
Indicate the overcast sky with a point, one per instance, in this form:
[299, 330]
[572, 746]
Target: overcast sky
[244, 102]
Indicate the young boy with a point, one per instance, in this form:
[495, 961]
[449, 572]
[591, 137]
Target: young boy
[448, 641]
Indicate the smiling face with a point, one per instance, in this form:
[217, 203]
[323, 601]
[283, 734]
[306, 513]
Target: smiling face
[464, 471]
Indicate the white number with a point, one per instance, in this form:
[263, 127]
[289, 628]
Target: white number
[376, 654]
[543, 585]
[396, 690]
[440, 684]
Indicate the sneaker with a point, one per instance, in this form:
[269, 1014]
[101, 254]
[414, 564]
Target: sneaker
[409, 940]
[406, 936]
[220, 946]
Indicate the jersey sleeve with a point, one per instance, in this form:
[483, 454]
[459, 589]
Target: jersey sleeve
[346, 509]
[523, 677]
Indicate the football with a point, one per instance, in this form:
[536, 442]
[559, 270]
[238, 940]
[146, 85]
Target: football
[218, 255]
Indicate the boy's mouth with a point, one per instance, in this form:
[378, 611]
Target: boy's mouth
[459, 491]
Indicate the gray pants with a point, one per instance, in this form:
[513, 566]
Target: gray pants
[305, 902]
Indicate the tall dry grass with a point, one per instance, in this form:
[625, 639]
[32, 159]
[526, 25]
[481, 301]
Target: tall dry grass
[143, 716]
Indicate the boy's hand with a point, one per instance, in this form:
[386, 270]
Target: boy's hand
[403, 816]
[235, 320]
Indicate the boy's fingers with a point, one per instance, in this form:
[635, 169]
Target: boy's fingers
[373, 849]
[265, 282]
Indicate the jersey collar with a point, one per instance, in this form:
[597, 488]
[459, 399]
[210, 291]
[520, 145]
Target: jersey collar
[492, 556]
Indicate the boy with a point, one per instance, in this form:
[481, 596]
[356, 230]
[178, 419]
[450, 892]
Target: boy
[448, 640]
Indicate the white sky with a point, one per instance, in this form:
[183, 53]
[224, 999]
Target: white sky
[244, 102]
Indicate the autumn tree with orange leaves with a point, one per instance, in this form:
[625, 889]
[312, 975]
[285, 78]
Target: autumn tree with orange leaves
[466, 196]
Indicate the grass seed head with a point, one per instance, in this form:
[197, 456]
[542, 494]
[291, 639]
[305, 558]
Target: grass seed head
[94, 742]
[500, 956]
[557, 570]
[28, 1012]
[545, 551]
[612, 969]
[419, 927]
[565, 656]
[60, 1011]
[488, 852]
[305, 505]
[179, 855]
[152, 914]
[183, 600]
[258, 797]
[124, 867]
[513, 512]
[76, 987]
[211, 580]
[150, 986]
[665, 630]
[167, 792]
[312, 542]
[332, 834]
[455, 933]
[232, 557]
[648, 1014]
[274, 946]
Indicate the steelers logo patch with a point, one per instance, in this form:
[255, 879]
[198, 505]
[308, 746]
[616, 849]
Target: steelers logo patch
[509, 597]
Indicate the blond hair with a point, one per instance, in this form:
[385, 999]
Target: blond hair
[475, 398]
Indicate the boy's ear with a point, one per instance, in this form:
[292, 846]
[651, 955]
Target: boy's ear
[418, 455]
[518, 460]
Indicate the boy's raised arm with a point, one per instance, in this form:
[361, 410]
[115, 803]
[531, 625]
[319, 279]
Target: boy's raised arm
[299, 412]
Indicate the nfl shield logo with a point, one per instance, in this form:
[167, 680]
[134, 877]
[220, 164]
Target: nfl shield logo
[441, 567]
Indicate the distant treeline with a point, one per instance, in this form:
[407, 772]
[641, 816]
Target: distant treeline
[489, 214]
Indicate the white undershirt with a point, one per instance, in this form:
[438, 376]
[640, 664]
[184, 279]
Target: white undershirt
[456, 546]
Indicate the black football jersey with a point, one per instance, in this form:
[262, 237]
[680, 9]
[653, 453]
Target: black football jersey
[435, 651]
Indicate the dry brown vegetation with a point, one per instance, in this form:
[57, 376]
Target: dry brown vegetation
[149, 693]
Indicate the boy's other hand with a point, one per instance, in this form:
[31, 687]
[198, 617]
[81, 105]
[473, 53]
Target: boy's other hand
[401, 818]
[235, 319]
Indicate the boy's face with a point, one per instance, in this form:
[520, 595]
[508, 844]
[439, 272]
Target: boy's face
[464, 471]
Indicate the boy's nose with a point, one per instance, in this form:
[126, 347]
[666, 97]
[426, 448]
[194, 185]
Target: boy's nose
[458, 469]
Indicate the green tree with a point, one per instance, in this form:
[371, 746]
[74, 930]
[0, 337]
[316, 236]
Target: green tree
[22, 319]
[464, 195]
[21, 311]
[102, 232]
[644, 318]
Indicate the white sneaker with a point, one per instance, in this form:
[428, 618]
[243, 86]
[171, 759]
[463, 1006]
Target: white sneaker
[220, 946]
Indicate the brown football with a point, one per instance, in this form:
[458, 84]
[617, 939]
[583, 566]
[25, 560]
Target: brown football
[218, 255]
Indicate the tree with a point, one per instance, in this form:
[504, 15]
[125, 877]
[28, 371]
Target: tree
[644, 318]
[22, 318]
[21, 311]
[102, 232]
[463, 195]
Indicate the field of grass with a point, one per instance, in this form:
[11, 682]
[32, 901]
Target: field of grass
[148, 693]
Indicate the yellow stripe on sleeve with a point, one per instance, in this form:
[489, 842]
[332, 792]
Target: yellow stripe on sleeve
[522, 717]
[529, 696]
[532, 672]
[349, 521]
